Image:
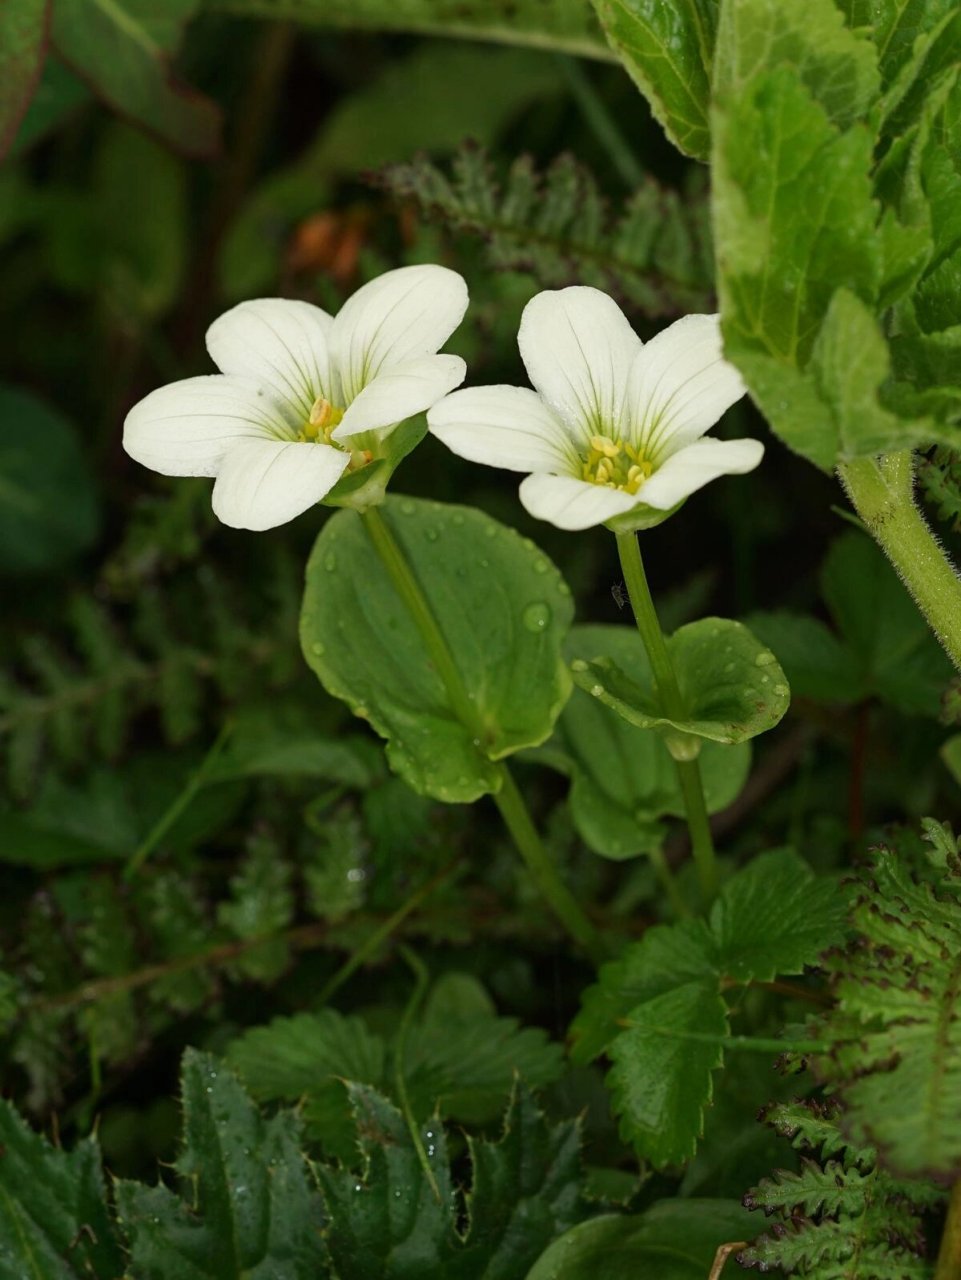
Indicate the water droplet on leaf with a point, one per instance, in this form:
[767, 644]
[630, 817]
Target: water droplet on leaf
[536, 616]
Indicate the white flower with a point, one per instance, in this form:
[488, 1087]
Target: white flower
[612, 431]
[302, 396]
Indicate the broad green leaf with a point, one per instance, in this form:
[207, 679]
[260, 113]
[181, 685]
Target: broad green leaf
[387, 1223]
[567, 26]
[429, 100]
[836, 64]
[122, 48]
[816, 663]
[23, 46]
[48, 505]
[503, 610]
[668, 956]
[623, 780]
[58, 93]
[270, 741]
[249, 1207]
[899, 660]
[894, 26]
[775, 917]
[667, 49]
[731, 684]
[660, 1082]
[672, 1240]
[55, 1222]
[794, 222]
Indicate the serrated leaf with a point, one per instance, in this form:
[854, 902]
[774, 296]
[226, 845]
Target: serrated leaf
[668, 51]
[660, 1082]
[360, 640]
[623, 780]
[54, 1219]
[249, 1209]
[776, 917]
[672, 1240]
[122, 48]
[731, 685]
[23, 46]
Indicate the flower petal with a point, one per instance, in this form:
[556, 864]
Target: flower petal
[278, 341]
[509, 427]
[578, 348]
[573, 504]
[263, 483]
[695, 466]
[398, 317]
[400, 392]
[186, 428]
[679, 386]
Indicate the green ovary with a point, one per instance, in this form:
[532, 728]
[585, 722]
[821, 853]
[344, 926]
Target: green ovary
[615, 464]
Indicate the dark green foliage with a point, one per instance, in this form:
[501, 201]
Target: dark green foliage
[940, 478]
[843, 1214]
[655, 253]
[896, 1063]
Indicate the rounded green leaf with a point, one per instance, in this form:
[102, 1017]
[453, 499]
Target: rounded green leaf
[623, 780]
[48, 506]
[731, 684]
[502, 608]
[672, 1240]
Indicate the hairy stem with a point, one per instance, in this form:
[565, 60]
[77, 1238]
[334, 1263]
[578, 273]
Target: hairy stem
[508, 799]
[882, 492]
[669, 694]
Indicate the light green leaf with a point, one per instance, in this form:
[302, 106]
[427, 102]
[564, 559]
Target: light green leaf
[731, 684]
[503, 610]
[48, 506]
[672, 1240]
[23, 46]
[660, 1082]
[565, 25]
[667, 50]
[837, 65]
[776, 917]
[54, 1218]
[122, 48]
[249, 1207]
[623, 780]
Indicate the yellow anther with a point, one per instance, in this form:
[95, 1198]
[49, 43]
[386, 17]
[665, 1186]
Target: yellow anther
[615, 464]
[321, 413]
[606, 446]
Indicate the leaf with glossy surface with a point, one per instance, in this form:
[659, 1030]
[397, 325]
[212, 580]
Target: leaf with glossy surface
[503, 610]
[667, 49]
[672, 1240]
[48, 505]
[250, 1207]
[23, 46]
[731, 685]
[54, 1218]
[660, 1082]
[623, 780]
[122, 48]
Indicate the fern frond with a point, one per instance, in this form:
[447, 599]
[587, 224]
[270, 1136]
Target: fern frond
[841, 1216]
[654, 253]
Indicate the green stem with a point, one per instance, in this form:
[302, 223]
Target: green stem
[600, 120]
[882, 492]
[669, 695]
[419, 971]
[949, 1255]
[508, 799]
[664, 874]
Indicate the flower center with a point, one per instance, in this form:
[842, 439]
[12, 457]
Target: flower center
[319, 427]
[615, 464]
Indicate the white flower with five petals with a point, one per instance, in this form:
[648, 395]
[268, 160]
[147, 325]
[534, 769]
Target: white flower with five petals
[612, 433]
[302, 396]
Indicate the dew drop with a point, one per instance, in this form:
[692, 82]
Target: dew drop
[597, 690]
[407, 508]
[330, 562]
[764, 659]
[317, 648]
[431, 534]
[780, 690]
[536, 616]
[457, 518]
[540, 565]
